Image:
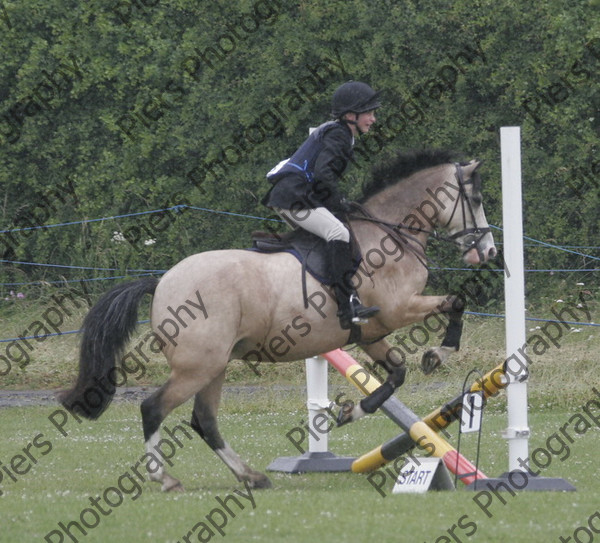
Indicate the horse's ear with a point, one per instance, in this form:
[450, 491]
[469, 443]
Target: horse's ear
[471, 167]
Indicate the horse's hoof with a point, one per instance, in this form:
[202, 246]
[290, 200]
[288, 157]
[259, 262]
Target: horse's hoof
[262, 481]
[430, 362]
[170, 484]
[345, 414]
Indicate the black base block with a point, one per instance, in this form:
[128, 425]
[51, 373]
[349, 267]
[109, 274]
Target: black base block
[309, 462]
[514, 481]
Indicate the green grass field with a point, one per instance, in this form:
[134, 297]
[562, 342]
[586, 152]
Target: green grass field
[47, 478]
[300, 508]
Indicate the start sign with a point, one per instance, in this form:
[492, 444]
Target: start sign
[422, 474]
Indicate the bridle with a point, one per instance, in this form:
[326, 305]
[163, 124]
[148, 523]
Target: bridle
[399, 231]
[476, 232]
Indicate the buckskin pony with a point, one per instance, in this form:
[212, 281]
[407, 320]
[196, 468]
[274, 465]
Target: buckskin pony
[217, 306]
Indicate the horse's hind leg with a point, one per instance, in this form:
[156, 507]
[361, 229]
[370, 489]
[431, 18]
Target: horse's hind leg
[180, 387]
[204, 421]
[153, 413]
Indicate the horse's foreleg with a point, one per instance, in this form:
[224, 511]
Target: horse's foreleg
[382, 354]
[204, 422]
[454, 308]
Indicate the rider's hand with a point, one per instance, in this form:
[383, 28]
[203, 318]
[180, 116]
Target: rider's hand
[346, 206]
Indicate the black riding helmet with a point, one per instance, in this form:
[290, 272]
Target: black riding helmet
[353, 97]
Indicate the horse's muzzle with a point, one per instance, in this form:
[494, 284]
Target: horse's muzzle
[476, 256]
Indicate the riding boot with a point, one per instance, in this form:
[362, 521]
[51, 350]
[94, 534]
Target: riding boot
[350, 309]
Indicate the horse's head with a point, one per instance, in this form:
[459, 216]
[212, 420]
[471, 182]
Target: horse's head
[465, 219]
[434, 193]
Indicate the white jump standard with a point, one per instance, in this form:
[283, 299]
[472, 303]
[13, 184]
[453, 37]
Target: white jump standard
[519, 477]
[317, 458]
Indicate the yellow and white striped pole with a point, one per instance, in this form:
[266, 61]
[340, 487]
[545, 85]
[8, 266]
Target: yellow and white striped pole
[490, 384]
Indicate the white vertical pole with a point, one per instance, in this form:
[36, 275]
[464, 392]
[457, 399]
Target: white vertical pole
[317, 458]
[317, 402]
[517, 432]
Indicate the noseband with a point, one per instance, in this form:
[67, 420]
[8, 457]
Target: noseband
[465, 205]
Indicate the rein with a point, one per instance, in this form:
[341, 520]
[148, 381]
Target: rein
[395, 230]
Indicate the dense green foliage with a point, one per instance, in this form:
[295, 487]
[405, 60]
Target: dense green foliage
[110, 108]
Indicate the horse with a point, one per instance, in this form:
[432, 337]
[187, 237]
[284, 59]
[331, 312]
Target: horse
[217, 306]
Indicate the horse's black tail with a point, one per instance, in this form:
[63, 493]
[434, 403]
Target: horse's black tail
[106, 330]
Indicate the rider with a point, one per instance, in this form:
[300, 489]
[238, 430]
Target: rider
[306, 195]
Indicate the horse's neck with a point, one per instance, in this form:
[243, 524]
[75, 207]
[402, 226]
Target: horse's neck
[414, 197]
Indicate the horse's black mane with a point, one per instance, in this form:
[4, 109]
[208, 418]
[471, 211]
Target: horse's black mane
[400, 166]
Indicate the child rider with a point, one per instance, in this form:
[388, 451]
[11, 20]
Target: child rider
[305, 189]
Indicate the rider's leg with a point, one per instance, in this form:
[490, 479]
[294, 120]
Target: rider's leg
[321, 222]
[351, 311]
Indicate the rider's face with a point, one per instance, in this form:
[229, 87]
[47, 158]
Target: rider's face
[364, 121]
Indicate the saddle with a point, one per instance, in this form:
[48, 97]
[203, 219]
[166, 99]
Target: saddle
[309, 249]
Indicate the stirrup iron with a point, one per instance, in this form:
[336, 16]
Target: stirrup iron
[360, 313]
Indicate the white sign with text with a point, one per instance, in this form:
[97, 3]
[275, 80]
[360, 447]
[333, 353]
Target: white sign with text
[422, 474]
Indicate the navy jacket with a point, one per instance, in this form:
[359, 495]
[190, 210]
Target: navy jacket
[310, 177]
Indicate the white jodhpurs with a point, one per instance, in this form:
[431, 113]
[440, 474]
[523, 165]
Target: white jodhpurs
[319, 221]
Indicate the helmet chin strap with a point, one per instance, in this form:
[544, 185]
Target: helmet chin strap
[355, 123]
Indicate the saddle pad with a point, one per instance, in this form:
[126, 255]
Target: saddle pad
[310, 250]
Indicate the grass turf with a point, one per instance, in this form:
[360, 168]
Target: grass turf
[73, 469]
[69, 472]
